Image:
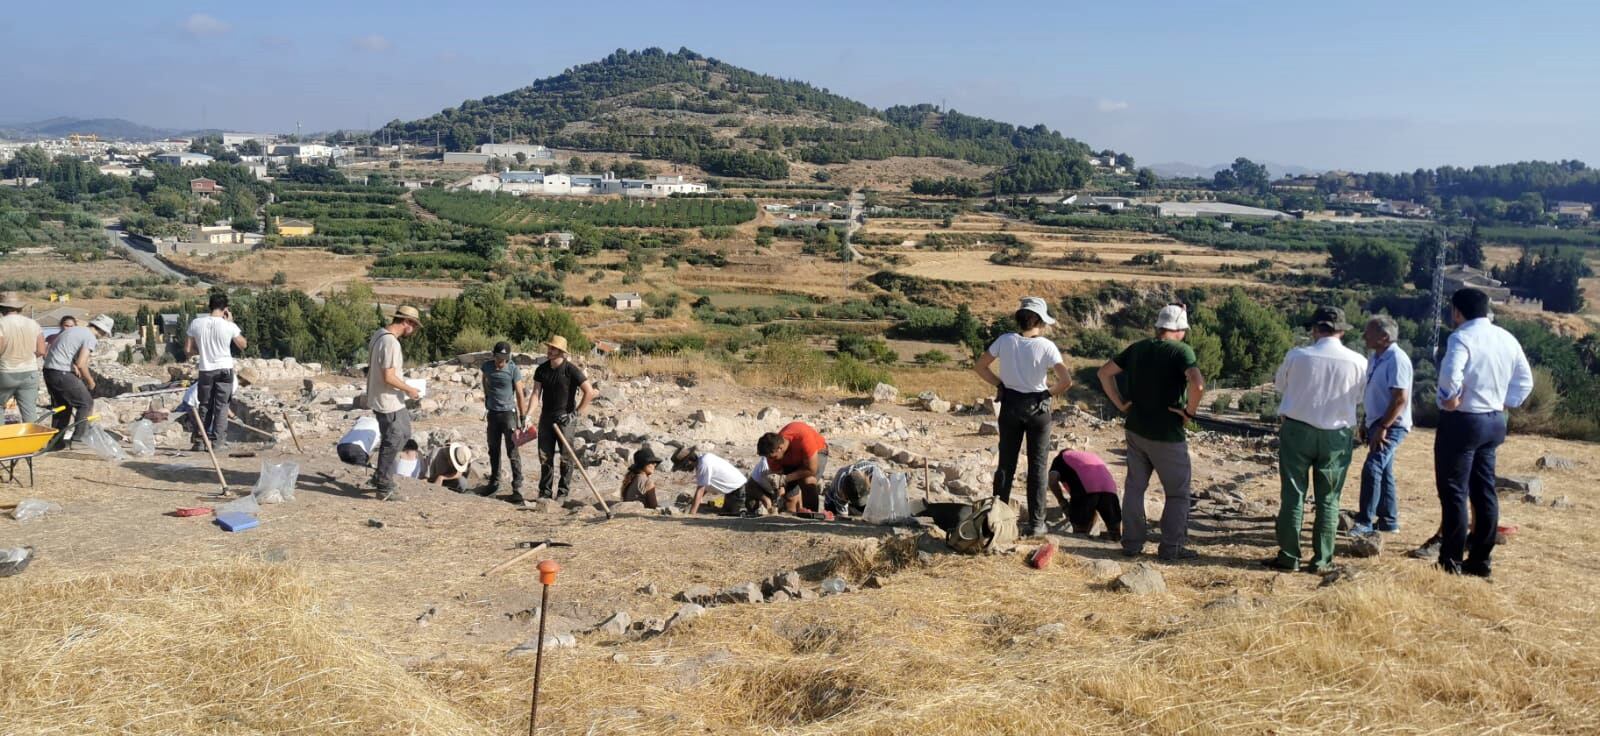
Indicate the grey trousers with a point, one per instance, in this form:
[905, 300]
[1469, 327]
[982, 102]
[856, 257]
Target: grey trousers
[394, 428]
[24, 386]
[1170, 462]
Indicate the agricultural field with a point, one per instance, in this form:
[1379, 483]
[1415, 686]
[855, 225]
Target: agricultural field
[308, 269]
[349, 218]
[539, 214]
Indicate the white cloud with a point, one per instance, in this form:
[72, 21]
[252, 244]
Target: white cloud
[1104, 105]
[372, 42]
[201, 25]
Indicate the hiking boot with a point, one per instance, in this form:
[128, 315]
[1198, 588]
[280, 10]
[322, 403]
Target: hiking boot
[1131, 552]
[197, 446]
[1476, 569]
[1361, 530]
[1181, 553]
[488, 489]
[1275, 564]
[1428, 551]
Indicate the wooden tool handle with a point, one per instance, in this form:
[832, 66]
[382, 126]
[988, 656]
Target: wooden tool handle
[520, 557]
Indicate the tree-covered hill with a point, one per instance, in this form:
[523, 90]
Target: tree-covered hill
[694, 109]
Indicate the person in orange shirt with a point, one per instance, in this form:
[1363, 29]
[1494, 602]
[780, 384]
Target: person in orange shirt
[799, 454]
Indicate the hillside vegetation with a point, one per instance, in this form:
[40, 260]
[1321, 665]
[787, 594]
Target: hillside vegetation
[731, 121]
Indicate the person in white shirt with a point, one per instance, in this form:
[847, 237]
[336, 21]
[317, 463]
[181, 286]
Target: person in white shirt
[1483, 371]
[21, 346]
[1027, 361]
[711, 474]
[1388, 402]
[1322, 385]
[211, 341]
[356, 446]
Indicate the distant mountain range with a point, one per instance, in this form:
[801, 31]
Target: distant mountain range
[1178, 169]
[106, 128]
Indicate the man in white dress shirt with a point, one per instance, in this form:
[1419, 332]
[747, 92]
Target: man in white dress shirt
[1321, 385]
[1483, 371]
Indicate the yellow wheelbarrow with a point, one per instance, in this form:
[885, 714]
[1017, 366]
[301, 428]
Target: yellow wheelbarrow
[21, 443]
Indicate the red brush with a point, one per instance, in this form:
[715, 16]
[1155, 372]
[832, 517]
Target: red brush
[1041, 557]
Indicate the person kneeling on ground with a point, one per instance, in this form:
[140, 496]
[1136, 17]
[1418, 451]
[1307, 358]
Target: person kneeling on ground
[409, 464]
[847, 494]
[355, 447]
[449, 466]
[711, 474]
[639, 484]
[798, 454]
[1084, 478]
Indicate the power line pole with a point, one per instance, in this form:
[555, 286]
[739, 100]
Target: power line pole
[1437, 298]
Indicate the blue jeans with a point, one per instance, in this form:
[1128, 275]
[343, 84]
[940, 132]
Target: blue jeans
[1380, 505]
[1463, 466]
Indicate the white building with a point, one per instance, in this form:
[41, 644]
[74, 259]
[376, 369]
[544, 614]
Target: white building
[234, 140]
[510, 150]
[182, 158]
[626, 300]
[522, 183]
[1217, 209]
[303, 150]
[1114, 204]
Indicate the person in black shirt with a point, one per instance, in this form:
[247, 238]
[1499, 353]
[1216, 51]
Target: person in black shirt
[564, 392]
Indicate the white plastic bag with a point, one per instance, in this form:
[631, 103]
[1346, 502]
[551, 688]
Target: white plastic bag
[142, 435]
[102, 443]
[276, 482]
[32, 508]
[246, 505]
[888, 502]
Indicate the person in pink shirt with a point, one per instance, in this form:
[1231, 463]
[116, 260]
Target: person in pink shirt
[1084, 487]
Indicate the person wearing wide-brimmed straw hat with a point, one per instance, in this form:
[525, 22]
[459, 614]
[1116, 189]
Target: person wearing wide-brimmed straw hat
[450, 466]
[387, 392]
[564, 393]
[21, 346]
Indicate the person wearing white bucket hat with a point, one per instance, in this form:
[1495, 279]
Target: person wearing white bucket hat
[1157, 371]
[1027, 360]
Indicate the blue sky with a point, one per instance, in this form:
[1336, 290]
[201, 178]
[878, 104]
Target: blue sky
[1360, 85]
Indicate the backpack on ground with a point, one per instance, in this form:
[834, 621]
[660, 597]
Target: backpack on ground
[986, 524]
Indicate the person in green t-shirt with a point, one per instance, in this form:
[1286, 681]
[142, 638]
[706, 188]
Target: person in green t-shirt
[1158, 371]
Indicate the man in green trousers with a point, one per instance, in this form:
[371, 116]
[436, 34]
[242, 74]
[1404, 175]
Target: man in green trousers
[1321, 385]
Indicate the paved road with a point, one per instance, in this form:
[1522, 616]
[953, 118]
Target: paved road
[136, 252]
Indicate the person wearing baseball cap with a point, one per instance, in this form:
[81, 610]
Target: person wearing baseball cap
[387, 392]
[1322, 385]
[564, 393]
[1027, 361]
[22, 344]
[67, 376]
[1164, 388]
[505, 397]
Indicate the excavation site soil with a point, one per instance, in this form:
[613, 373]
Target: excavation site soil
[344, 614]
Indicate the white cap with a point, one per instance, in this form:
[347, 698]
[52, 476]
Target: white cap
[1037, 306]
[103, 322]
[1172, 317]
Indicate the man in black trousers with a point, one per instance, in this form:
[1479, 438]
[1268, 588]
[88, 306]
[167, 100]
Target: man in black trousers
[1483, 371]
[505, 397]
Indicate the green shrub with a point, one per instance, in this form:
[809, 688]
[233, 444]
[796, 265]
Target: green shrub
[472, 340]
[932, 357]
[854, 375]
